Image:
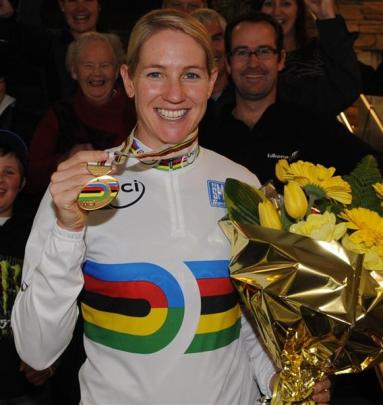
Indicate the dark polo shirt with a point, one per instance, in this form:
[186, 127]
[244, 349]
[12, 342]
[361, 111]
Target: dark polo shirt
[284, 131]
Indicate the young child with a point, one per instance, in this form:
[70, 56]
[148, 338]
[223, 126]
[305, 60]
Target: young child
[17, 379]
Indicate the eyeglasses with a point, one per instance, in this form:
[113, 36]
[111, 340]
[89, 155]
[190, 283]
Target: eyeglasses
[263, 52]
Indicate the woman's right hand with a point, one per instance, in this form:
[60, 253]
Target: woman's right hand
[66, 184]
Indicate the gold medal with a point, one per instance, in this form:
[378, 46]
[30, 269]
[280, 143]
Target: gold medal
[101, 190]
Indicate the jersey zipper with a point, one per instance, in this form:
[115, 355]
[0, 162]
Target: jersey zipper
[177, 217]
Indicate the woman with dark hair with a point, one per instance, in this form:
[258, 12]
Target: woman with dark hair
[292, 15]
[320, 73]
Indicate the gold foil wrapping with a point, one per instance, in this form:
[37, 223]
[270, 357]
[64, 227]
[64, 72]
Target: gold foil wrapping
[316, 308]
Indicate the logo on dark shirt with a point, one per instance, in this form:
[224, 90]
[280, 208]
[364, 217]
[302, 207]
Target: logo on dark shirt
[289, 158]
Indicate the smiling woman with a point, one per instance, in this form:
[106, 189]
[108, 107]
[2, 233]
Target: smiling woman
[93, 61]
[170, 88]
[99, 116]
[162, 323]
[81, 15]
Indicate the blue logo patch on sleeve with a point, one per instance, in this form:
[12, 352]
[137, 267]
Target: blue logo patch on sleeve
[215, 189]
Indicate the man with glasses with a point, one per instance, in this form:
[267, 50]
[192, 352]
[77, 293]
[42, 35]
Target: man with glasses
[254, 57]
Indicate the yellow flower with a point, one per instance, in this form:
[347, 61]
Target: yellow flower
[320, 227]
[373, 256]
[368, 226]
[378, 187]
[281, 169]
[318, 180]
[268, 215]
[373, 259]
[295, 200]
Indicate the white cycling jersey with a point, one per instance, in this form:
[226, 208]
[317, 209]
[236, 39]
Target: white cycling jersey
[162, 320]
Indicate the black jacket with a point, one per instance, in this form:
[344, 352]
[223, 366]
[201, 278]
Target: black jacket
[284, 131]
[372, 79]
[323, 76]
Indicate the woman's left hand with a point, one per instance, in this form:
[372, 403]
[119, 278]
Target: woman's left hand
[322, 394]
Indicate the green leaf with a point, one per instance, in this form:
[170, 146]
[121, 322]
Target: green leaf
[314, 191]
[242, 201]
[286, 220]
[361, 179]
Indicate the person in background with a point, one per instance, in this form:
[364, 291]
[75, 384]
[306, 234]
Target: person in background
[12, 117]
[157, 300]
[215, 25]
[258, 129]
[80, 16]
[320, 74]
[223, 92]
[187, 6]
[42, 52]
[99, 116]
[20, 384]
[7, 104]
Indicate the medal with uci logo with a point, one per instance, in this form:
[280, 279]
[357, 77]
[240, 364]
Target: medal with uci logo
[101, 190]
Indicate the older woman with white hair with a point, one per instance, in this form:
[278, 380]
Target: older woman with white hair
[99, 116]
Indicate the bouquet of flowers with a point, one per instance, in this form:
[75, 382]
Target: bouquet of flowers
[309, 266]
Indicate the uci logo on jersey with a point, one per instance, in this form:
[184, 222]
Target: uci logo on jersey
[216, 193]
[140, 307]
[130, 193]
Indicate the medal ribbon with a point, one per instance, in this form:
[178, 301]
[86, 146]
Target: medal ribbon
[167, 152]
[100, 191]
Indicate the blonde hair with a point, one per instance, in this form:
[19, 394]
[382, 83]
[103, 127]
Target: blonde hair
[167, 19]
[208, 15]
[77, 45]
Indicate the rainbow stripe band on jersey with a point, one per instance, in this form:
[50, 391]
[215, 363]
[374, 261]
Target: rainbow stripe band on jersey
[167, 152]
[189, 155]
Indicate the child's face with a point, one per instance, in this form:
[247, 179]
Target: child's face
[10, 183]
